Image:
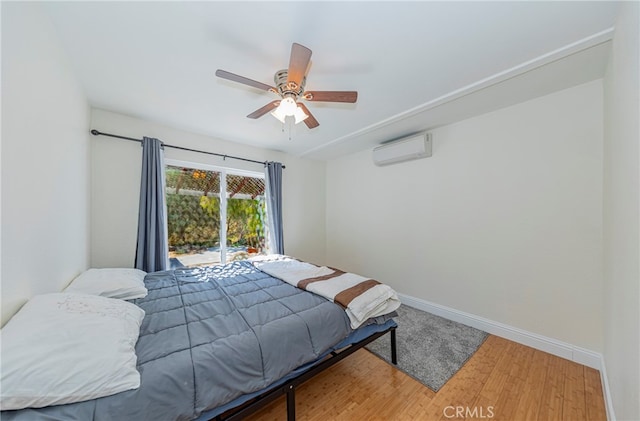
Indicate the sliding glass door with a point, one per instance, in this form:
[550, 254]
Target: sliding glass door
[214, 215]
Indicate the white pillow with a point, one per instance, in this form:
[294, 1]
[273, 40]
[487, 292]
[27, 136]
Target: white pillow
[125, 284]
[63, 348]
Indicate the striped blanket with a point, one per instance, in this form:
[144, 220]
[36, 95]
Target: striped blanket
[362, 298]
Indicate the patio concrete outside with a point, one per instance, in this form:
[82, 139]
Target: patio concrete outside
[211, 256]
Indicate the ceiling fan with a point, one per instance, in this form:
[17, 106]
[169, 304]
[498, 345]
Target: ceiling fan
[290, 85]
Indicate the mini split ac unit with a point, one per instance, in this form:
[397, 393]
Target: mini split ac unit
[405, 149]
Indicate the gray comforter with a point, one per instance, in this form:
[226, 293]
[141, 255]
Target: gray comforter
[210, 335]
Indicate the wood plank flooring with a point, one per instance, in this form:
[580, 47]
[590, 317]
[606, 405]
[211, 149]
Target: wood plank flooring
[503, 380]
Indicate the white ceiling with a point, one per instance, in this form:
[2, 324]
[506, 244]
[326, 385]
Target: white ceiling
[415, 65]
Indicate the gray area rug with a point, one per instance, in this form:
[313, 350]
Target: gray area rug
[431, 349]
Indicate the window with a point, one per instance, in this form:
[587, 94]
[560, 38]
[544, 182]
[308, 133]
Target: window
[214, 215]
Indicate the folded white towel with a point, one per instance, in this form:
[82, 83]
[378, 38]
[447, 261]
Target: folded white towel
[361, 297]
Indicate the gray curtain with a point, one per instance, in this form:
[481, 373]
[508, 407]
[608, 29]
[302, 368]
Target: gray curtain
[152, 250]
[273, 178]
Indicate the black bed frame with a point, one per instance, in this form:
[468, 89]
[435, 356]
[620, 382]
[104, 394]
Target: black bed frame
[289, 387]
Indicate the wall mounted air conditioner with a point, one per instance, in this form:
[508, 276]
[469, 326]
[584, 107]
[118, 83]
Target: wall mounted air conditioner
[405, 149]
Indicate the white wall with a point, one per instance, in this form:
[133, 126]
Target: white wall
[621, 216]
[504, 221]
[45, 154]
[115, 170]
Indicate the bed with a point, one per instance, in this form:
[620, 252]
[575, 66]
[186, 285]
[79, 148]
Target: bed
[221, 342]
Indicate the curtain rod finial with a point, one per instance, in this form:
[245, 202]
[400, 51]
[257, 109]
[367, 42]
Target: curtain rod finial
[95, 132]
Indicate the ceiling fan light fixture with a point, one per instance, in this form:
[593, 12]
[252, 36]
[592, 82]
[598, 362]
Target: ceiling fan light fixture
[288, 107]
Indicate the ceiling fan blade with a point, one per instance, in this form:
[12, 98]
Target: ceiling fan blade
[310, 121]
[331, 96]
[262, 111]
[241, 79]
[298, 63]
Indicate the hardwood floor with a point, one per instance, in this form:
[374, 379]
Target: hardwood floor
[502, 381]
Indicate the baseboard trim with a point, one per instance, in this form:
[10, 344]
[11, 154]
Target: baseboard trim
[552, 346]
[608, 400]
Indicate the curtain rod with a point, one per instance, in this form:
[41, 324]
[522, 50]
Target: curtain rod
[98, 133]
